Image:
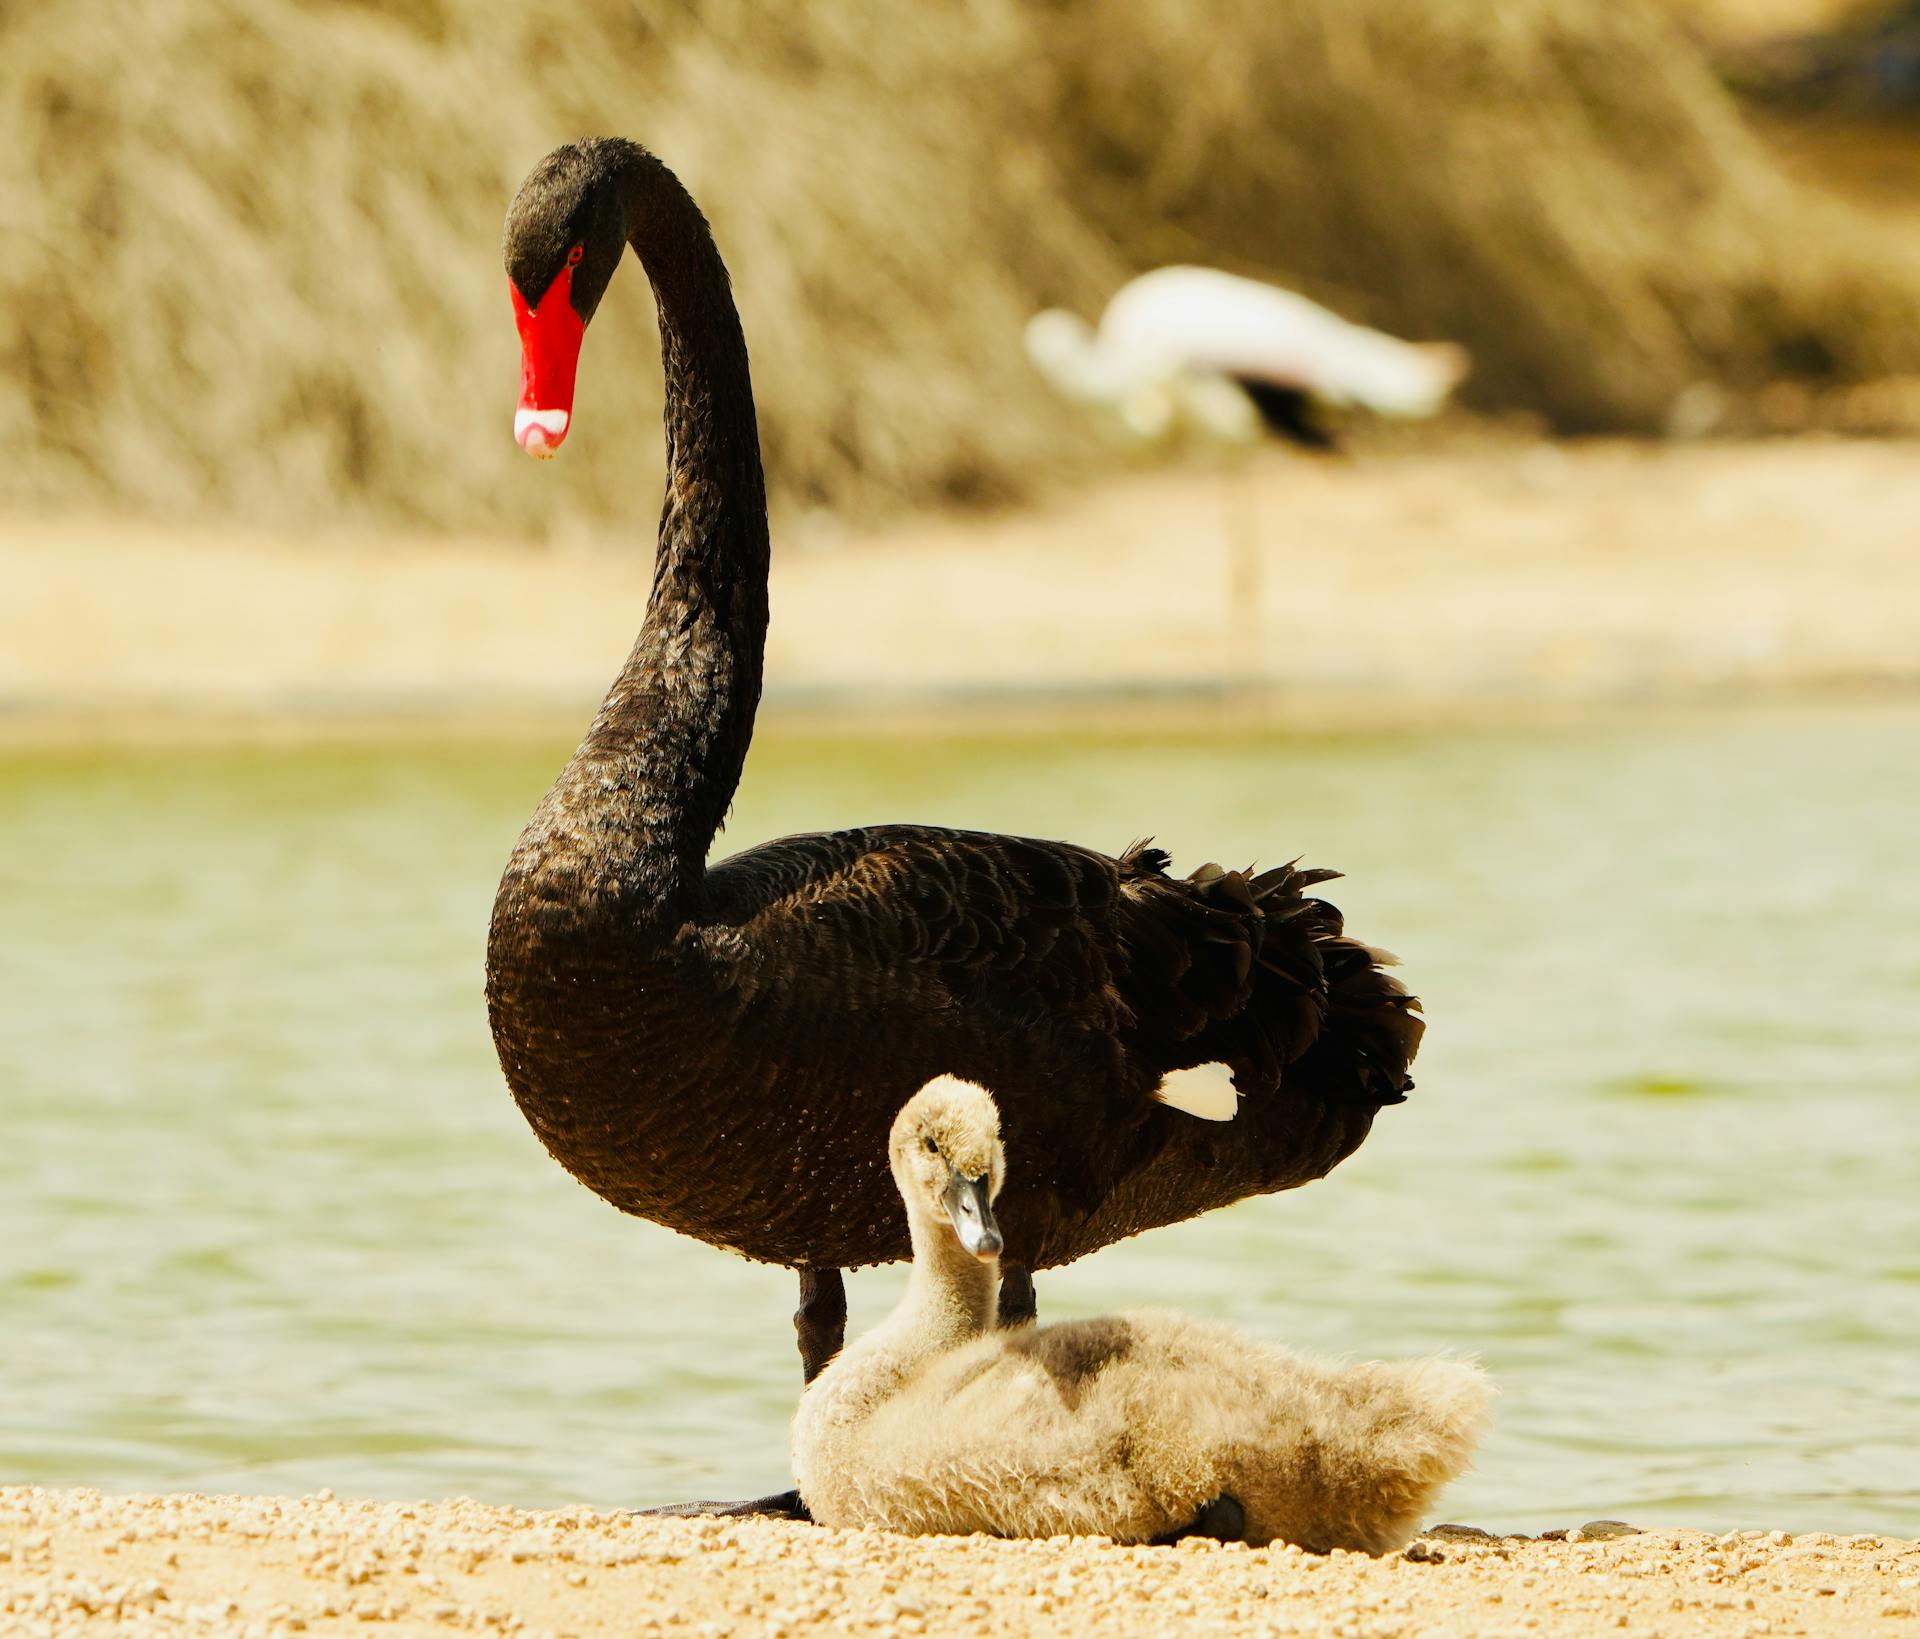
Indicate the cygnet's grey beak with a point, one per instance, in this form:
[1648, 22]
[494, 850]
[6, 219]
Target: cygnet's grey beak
[972, 1215]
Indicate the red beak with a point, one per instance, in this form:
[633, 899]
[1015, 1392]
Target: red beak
[549, 355]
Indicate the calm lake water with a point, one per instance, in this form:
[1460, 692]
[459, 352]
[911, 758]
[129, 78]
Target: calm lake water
[269, 1221]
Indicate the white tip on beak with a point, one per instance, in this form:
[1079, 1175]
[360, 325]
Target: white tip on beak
[539, 432]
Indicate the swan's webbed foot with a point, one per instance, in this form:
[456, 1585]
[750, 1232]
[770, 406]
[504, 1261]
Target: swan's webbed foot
[781, 1505]
[1018, 1305]
[1223, 1519]
[821, 1319]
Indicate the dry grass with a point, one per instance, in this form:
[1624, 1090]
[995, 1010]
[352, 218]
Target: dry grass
[250, 262]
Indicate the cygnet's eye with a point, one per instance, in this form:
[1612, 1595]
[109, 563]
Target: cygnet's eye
[932, 1148]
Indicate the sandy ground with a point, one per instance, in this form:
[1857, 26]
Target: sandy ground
[75, 1562]
[1394, 586]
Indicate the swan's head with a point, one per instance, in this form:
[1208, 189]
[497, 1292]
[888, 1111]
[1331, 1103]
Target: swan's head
[565, 231]
[1090, 367]
[948, 1162]
[1063, 348]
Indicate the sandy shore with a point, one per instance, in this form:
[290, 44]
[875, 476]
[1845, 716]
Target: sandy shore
[76, 1562]
[1486, 580]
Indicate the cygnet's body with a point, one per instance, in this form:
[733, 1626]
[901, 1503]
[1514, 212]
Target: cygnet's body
[1128, 1426]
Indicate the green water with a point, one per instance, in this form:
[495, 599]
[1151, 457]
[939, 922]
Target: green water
[268, 1220]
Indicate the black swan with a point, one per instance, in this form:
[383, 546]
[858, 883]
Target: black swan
[723, 1048]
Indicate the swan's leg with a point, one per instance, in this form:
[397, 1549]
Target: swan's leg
[1017, 1303]
[821, 1319]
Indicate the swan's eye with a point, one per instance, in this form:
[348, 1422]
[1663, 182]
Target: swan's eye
[932, 1148]
[574, 255]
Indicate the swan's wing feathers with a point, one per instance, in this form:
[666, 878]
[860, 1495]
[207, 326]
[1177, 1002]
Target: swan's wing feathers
[1013, 925]
[1190, 949]
[1040, 945]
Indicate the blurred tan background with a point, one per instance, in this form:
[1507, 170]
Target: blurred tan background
[251, 302]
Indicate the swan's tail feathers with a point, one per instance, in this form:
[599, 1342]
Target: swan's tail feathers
[1371, 1027]
[1325, 1013]
[1254, 972]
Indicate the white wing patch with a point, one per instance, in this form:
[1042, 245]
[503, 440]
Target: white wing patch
[1205, 1091]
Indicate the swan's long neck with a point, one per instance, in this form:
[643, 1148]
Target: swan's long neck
[1090, 366]
[951, 1295]
[662, 758]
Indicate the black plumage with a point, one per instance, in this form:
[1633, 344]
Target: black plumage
[722, 1049]
[1288, 412]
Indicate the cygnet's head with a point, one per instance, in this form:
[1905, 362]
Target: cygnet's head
[947, 1160]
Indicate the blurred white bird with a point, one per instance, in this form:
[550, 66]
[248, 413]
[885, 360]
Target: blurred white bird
[1231, 354]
